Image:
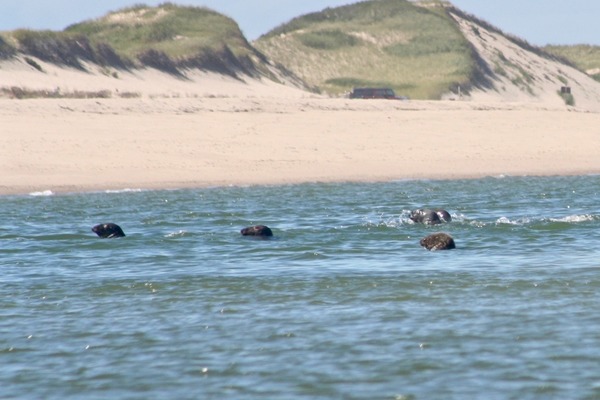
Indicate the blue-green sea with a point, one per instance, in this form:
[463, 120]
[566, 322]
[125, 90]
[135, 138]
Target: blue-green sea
[342, 303]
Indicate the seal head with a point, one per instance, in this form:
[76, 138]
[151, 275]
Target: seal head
[430, 216]
[257, 230]
[425, 216]
[438, 241]
[108, 231]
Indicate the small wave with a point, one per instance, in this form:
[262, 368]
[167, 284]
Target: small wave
[391, 222]
[177, 234]
[42, 193]
[574, 218]
[507, 221]
[474, 223]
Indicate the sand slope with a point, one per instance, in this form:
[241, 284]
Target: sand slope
[521, 75]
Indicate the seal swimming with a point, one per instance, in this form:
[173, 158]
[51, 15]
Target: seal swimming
[425, 216]
[430, 217]
[257, 230]
[108, 231]
[438, 241]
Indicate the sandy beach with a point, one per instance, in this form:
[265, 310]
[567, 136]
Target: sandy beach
[259, 134]
[148, 129]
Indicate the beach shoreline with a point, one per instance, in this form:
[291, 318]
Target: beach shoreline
[87, 145]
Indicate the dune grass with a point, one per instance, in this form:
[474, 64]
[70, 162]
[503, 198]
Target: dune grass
[174, 30]
[416, 48]
[419, 52]
[585, 57]
[16, 92]
[169, 37]
[6, 50]
[328, 39]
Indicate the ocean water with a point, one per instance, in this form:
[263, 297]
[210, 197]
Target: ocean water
[342, 303]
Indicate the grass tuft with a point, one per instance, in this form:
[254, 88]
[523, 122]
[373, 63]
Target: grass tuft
[34, 64]
[328, 40]
[568, 98]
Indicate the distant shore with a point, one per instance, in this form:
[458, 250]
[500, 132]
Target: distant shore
[80, 145]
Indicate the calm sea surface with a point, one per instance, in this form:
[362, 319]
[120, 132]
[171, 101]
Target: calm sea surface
[342, 304]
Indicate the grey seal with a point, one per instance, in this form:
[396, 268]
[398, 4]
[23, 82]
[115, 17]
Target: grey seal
[438, 241]
[443, 214]
[257, 230]
[430, 216]
[108, 230]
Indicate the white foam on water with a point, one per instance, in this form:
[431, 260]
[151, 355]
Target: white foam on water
[42, 193]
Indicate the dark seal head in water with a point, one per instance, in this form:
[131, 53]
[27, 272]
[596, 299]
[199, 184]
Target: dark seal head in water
[438, 241]
[109, 230]
[430, 217]
[257, 230]
[425, 216]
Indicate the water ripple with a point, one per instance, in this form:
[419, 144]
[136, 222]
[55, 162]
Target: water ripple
[341, 303]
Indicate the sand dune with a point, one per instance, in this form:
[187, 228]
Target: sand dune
[522, 75]
[148, 129]
[231, 133]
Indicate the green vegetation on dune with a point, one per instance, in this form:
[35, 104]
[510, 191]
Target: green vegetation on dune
[168, 37]
[380, 13]
[328, 40]
[64, 48]
[6, 50]
[414, 47]
[174, 30]
[418, 51]
[585, 57]
[172, 38]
